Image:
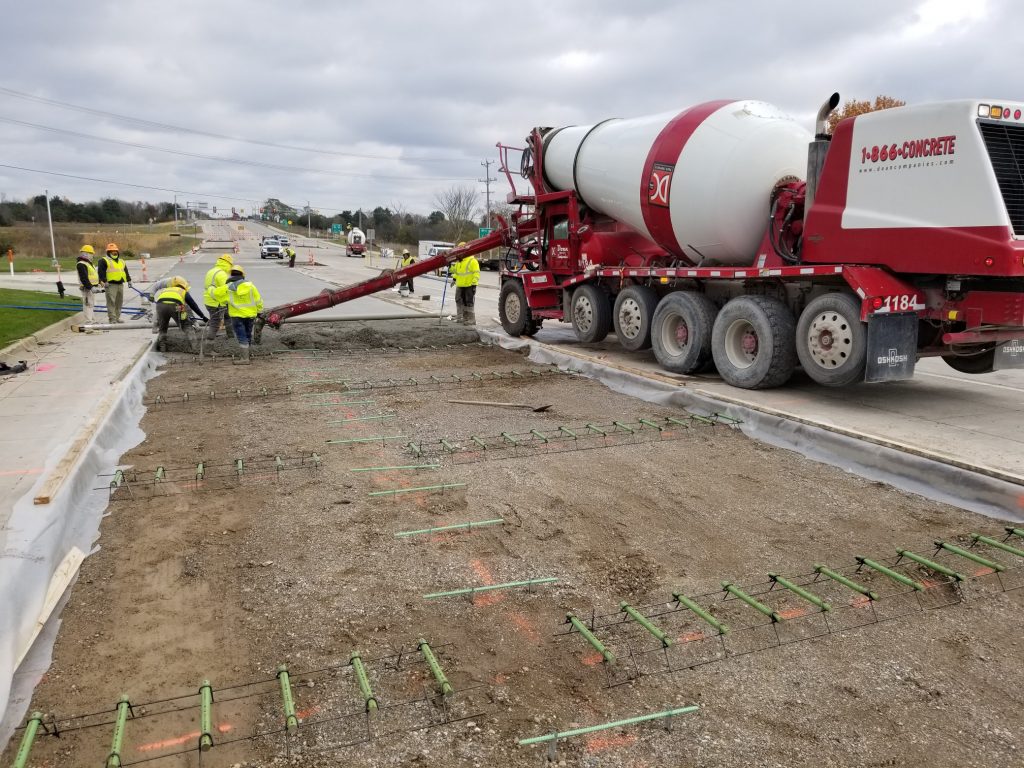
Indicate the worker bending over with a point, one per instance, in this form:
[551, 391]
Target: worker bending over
[174, 302]
[408, 260]
[216, 277]
[466, 275]
[244, 304]
[113, 274]
[88, 280]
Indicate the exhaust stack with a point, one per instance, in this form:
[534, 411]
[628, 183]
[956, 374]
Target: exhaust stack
[818, 149]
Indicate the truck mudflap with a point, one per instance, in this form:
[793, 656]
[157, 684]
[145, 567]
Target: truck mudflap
[892, 347]
[1009, 354]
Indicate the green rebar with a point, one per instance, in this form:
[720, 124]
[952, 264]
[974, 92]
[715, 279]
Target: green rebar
[897, 577]
[205, 716]
[28, 739]
[448, 446]
[114, 758]
[605, 726]
[810, 597]
[380, 417]
[118, 479]
[624, 427]
[321, 381]
[478, 441]
[646, 623]
[568, 432]
[431, 660]
[346, 402]
[648, 423]
[732, 589]
[414, 448]
[607, 655]
[159, 474]
[1015, 531]
[536, 433]
[839, 578]
[239, 467]
[379, 438]
[931, 565]
[490, 588]
[398, 491]
[596, 429]
[998, 545]
[509, 437]
[395, 468]
[723, 417]
[700, 611]
[316, 458]
[459, 526]
[705, 419]
[291, 722]
[200, 471]
[677, 422]
[970, 556]
[364, 682]
[278, 463]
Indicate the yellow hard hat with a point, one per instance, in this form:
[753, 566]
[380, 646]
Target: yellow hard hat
[461, 244]
[181, 282]
[237, 270]
[226, 257]
[88, 249]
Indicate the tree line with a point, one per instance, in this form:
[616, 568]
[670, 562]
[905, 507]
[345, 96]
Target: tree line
[106, 211]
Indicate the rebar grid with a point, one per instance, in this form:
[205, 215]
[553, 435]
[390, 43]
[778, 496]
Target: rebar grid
[700, 634]
[324, 354]
[439, 702]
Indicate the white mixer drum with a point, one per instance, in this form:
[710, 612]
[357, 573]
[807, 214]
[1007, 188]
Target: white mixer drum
[695, 182]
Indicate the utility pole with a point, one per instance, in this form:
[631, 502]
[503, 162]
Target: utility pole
[175, 212]
[486, 180]
[309, 217]
[53, 244]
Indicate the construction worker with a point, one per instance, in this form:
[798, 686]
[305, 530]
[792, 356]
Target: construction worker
[216, 277]
[88, 280]
[466, 276]
[174, 302]
[407, 261]
[290, 253]
[244, 303]
[113, 274]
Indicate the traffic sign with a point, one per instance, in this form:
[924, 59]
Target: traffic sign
[485, 231]
[336, 229]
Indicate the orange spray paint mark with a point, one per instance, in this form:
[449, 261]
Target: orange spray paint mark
[302, 714]
[927, 583]
[179, 740]
[860, 601]
[690, 637]
[501, 678]
[792, 613]
[984, 571]
[525, 625]
[597, 744]
[592, 659]
[484, 574]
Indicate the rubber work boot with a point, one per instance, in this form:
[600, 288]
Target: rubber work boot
[244, 359]
[470, 316]
[190, 335]
[161, 342]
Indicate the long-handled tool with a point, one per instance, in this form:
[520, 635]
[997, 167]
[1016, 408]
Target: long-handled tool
[534, 408]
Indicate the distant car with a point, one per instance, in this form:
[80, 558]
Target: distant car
[284, 241]
[271, 248]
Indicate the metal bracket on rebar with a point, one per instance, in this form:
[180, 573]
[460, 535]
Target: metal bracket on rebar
[1011, 531]
[644, 622]
[369, 700]
[456, 527]
[735, 591]
[589, 636]
[435, 668]
[470, 591]
[810, 597]
[291, 721]
[552, 737]
[683, 600]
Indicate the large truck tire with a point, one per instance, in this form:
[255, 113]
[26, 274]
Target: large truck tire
[632, 316]
[974, 364]
[754, 342]
[681, 331]
[831, 340]
[514, 312]
[591, 312]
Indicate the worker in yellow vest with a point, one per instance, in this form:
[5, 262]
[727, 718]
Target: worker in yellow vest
[244, 304]
[113, 274]
[466, 276]
[216, 277]
[408, 260]
[174, 302]
[88, 280]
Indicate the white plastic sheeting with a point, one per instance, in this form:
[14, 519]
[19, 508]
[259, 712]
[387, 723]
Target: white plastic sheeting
[39, 537]
[926, 477]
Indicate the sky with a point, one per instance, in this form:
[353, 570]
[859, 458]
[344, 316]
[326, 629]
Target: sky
[354, 105]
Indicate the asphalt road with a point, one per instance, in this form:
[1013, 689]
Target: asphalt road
[974, 419]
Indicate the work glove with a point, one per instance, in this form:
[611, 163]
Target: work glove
[453, 281]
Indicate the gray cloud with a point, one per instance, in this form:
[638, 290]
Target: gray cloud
[429, 88]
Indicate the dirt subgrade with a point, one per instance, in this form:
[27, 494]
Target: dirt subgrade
[227, 584]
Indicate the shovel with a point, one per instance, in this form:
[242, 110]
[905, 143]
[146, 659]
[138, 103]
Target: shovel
[534, 408]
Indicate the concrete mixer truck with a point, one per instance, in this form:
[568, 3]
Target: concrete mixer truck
[728, 236]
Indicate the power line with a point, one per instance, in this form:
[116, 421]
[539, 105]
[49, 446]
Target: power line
[234, 161]
[180, 129]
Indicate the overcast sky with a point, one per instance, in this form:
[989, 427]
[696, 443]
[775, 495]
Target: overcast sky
[400, 98]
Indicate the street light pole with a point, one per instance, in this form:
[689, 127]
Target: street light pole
[309, 217]
[53, 244]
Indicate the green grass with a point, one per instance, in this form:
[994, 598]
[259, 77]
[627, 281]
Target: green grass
[18, 323]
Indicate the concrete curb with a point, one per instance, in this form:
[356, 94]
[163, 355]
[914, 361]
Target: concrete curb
[41, 336]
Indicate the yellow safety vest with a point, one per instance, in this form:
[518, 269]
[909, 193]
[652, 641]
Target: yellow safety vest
[115, 270]
[243, 299]
[94, 276]
[408, 261]
[215, 278]
[175, 294]
[466, 272]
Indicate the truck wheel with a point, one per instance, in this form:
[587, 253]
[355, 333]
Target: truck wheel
[831, 341]
[754, 342]
[979, 363]
[513, 311]
[681, 331]
[633, 313]
[591, 312]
